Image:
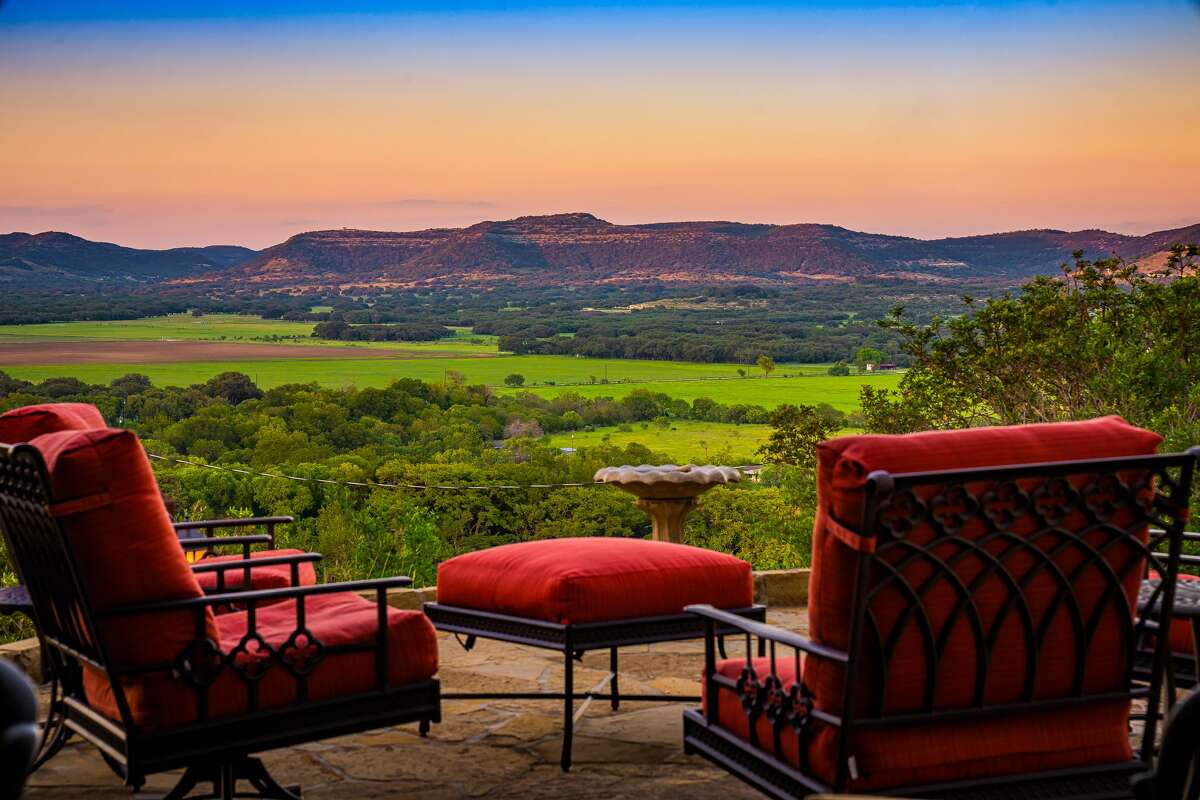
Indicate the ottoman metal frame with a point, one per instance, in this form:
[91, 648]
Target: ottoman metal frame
[573, 640]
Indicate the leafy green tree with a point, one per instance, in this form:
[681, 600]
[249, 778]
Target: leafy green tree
[839, 369]
[514, 380]
[232, 387]
[766, 364]
[1103, 338]
[133, 383]
[795, 433]
[867, 355]
[758, 524]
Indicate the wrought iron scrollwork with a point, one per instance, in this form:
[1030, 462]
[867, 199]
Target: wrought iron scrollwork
[751, 692]
[901, 512]
[252, 657]
[302, 652]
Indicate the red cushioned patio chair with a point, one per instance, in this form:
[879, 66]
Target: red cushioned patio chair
[150, 674]
[973, 620]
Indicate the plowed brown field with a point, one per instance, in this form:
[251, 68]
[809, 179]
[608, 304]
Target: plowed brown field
[159, 352]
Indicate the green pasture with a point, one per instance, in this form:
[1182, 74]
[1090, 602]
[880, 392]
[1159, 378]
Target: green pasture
[684, 442]
[839, 392]
[686, 381]
[546, 375]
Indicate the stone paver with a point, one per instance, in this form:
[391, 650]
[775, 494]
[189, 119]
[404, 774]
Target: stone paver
[494, 749]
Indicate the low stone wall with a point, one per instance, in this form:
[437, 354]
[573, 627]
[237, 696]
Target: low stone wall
[774, 587]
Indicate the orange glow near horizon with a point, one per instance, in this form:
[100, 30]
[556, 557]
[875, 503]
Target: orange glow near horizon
[219, 132]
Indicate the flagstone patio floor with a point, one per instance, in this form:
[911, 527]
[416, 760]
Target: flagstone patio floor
[495, 748]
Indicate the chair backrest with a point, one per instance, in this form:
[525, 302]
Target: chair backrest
[84, 522]
[29, 422]
[986, 571]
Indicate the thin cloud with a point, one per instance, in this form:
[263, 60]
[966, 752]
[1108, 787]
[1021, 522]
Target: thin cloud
[424, 202]
[37, 212]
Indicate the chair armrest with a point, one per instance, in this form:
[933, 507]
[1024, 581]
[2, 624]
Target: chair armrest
[768, 633]
[208, 542]
[211, 525]
[714, 681]
[258, 596]
[247, 565]
[243, 564]
[238, 522]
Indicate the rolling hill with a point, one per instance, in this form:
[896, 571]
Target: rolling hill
[52, 256]
[575, 249]
[580, 249]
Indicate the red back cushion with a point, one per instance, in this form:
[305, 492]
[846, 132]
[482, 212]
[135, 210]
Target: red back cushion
[29, 422]
[124, 545]
[953, 679]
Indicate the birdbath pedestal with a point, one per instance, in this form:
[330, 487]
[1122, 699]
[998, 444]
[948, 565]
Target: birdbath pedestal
[667, 493]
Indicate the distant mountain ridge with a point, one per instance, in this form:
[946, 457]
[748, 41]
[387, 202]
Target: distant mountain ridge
[580, 249]
[52, 256]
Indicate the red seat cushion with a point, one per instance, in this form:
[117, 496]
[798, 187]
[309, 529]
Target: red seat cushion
[159, 700]
[29, 422]
[884, 757]
[593, 579]
[272, 576]
[955, 750]
[122, 540]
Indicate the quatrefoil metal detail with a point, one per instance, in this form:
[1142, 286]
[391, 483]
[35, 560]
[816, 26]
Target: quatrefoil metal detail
[1004, 503]
[252, 657]
[1104, 495]
[750, 691]
[200, 662]
[1055, 499]
[952, 507]
[302, 652]
[900, 512]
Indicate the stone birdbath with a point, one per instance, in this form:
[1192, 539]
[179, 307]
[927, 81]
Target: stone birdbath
[667, 493]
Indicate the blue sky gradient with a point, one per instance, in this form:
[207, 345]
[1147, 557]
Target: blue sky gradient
[173, 123]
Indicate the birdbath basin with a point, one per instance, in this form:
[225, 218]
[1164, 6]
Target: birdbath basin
[667, 493]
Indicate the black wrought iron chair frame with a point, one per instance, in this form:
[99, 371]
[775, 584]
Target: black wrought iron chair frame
[1158, 497]
[572, 641]
[213, 750]
[16, 599]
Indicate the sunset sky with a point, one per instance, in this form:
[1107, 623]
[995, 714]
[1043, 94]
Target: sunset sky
[209, 124]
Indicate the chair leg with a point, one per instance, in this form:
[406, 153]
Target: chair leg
[253, 770]
[224, 780]
[614, 686]
[191, 777]
[55, 732]
[568, 711]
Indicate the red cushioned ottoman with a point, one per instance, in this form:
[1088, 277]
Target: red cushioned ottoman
[577, 595]
[593, 579]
